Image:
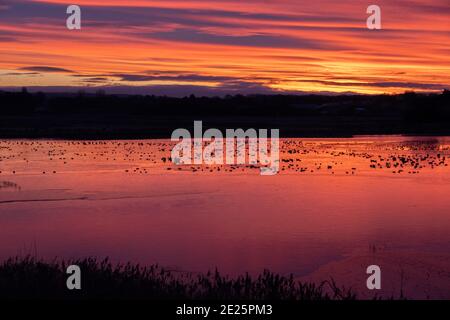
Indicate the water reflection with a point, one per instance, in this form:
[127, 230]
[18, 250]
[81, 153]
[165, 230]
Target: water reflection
[334, 201]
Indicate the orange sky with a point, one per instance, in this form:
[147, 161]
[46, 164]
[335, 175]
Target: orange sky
[227, 46]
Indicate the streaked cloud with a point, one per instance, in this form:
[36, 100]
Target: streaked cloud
[46, 69]
[217, 46]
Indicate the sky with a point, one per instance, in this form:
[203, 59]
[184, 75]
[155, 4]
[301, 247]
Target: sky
[216, 47]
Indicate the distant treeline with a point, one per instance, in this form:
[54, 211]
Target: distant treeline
[99, 115]
[411, 105]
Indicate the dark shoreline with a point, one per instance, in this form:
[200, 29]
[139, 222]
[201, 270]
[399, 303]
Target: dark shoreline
[100, 116]
[81, 127]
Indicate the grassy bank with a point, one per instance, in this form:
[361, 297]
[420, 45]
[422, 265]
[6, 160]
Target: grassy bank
[23, 278]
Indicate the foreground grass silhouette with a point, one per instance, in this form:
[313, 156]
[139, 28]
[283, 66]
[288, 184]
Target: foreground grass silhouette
[25, 278]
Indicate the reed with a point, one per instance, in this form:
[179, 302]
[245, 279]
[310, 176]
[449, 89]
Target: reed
[30, 278]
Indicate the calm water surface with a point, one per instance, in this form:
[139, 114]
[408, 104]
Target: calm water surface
[125, 200]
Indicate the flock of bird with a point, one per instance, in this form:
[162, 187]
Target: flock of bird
[345, 157]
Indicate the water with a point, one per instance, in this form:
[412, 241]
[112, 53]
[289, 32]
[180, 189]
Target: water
[337, 206]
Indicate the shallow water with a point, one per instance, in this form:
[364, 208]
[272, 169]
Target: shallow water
[333, 199]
